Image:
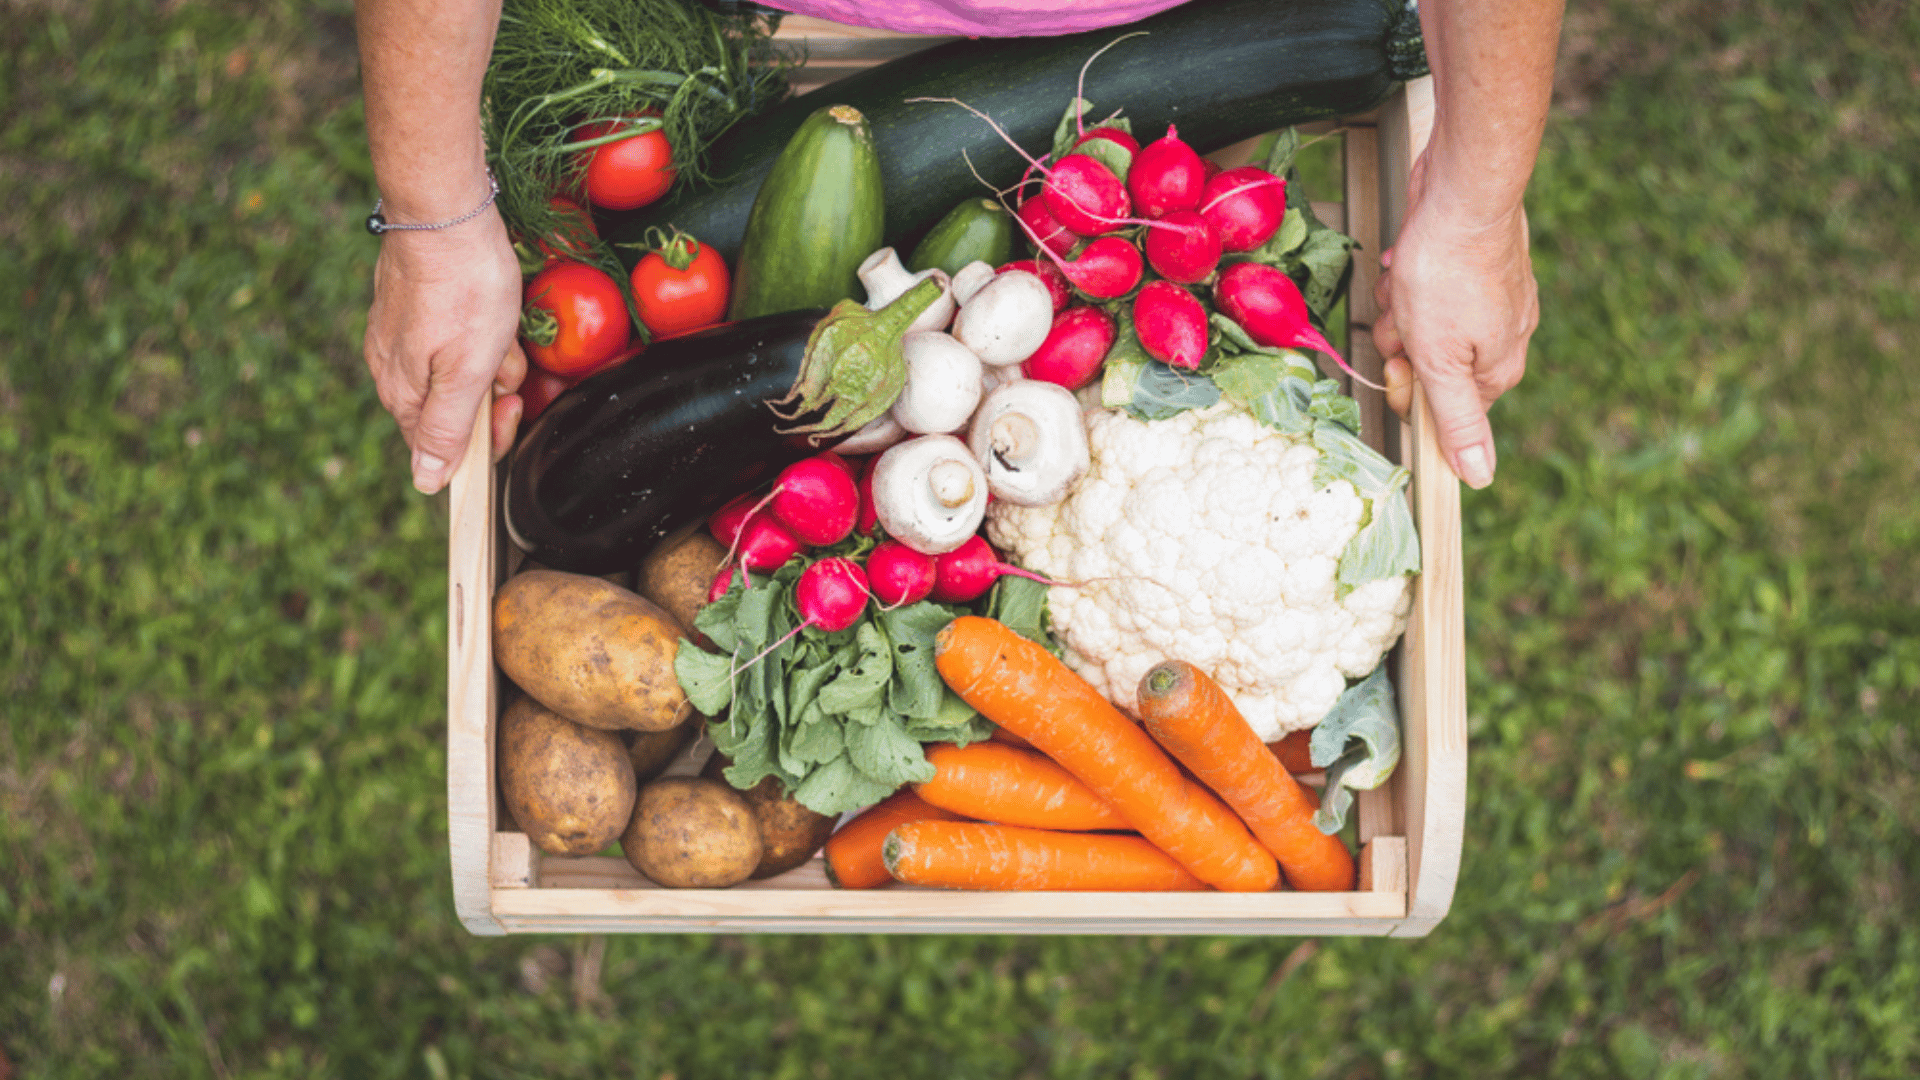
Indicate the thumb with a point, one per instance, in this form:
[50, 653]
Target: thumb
[1460, 422]
[445, 426]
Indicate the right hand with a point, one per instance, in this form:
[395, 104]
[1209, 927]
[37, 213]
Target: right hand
[446, 306]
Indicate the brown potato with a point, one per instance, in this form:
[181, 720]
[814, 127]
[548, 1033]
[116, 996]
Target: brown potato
[692, 833]
[590, 651]
[652, 751]
[789, 832]
[677, 575]
[570, 787]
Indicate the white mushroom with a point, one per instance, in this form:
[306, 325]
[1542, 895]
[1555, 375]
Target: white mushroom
[1007, 319]
[943, 383]
[930, 493]
[881, 432]
[885, 280]
[1031, 439]
[969, 280]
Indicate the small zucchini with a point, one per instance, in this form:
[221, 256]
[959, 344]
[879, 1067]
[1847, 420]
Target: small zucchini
[977, 229]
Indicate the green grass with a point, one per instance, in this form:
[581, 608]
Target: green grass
[1694, 626]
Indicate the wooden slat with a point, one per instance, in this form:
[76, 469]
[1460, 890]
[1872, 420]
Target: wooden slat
[470, 685]
[516, 862]
[1383, 865]
[1363, 214]
[894, 909]
[1367, 926]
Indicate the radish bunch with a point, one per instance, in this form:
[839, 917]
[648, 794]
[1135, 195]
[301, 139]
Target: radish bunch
[1158, 233]
[818, 503]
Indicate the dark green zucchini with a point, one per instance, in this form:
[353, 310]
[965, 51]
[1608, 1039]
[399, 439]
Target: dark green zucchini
[815, 219]
[977, 229]
[634, 455]
[1224, 70]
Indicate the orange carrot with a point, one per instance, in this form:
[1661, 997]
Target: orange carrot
[976, 855]
[1293, 752]
[991, 782]
[1020, 686]
[1002, 735]
[853, 853]
[1198, 723]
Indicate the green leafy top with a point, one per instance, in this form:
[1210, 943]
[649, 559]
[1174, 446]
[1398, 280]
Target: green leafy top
[838, 716]
[1358, 744]
[561, 64]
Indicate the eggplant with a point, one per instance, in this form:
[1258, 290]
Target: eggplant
[645, 451]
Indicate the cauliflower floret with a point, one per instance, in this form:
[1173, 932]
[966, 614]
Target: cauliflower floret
[1203, 538]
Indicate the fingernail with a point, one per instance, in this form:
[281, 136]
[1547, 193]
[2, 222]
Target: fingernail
[426, 472]
[1473, 467]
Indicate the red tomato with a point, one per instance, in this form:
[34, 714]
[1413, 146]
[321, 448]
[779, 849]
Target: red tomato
[574, 319]
[538, 391]
[680, 286]
[628, 173]
[575, 226]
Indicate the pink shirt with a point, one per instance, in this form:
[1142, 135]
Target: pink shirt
[979, 18]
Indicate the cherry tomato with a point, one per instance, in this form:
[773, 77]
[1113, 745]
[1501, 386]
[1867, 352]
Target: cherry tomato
[628, 173]
[680, 285]
[574, 319]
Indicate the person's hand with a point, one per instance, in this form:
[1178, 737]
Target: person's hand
[446, 303]
[1457, 298]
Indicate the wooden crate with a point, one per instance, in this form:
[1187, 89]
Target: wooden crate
[1410, 830]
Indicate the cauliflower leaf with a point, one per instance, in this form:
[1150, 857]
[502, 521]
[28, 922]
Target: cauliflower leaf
[1358, 744]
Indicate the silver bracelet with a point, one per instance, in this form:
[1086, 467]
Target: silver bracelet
[377, 224]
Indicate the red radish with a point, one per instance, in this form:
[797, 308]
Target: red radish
[831, 594]
[727, 521]
[968, 571]
[898, 574]
[1074, 350]
[1112, 135]
[765, 544]
[1188, 253]
[1044, 269]
[1171, 324]
[868, 523]
[1166, 176]
[1085, 196]
[1268, 306]
[1106, 268]
[1213, 167]
[1244, 206]
[726, 579]
[853, 473]
[1046, 230]
[816, 500]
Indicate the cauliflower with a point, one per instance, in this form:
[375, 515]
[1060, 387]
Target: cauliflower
[1204, 538]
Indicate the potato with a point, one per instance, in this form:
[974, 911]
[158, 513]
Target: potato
[789, 832]
[570, 787]
[677, 575]
[590, 651]
[688, 832]
[652, 751]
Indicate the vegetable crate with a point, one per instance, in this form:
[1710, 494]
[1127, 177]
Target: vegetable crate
[1409, 830]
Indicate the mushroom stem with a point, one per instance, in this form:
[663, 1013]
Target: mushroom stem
[951, 483]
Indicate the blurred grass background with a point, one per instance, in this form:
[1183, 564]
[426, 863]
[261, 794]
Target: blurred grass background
[1694, 625]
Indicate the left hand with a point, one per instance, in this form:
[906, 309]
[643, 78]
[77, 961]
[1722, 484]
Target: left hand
[1457, 298]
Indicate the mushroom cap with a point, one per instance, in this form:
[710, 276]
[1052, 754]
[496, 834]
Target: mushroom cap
[1007, 320]
[1031, 441]
[943, 383]
[886, 279]
[969, 278]
[930, 493]
[881, 432]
